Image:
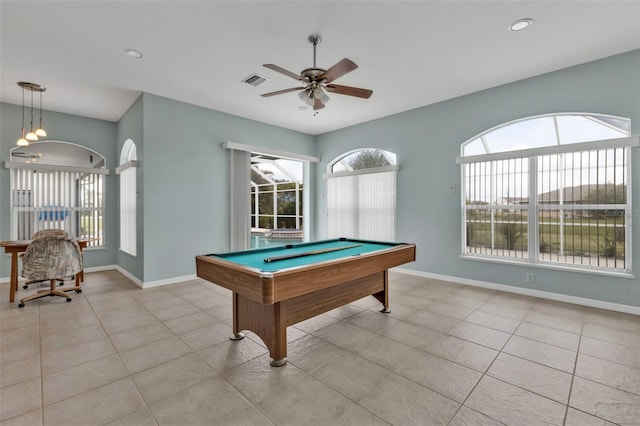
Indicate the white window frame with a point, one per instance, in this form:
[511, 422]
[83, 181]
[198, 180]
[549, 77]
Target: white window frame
[240, 186]
[534, 207]
[52, 193]
[127, 171]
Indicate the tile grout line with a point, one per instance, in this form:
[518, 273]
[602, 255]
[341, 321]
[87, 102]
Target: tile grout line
[573, 375]
[130, 375]
[485, 373]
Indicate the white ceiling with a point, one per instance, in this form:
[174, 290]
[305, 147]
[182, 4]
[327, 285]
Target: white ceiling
[410, 54]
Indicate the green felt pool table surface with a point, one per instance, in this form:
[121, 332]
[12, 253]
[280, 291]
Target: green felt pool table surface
[257, 258]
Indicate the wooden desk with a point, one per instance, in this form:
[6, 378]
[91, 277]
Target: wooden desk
[16, 247]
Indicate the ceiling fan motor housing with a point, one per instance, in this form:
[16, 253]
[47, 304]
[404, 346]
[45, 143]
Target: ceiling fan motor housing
[311, 74]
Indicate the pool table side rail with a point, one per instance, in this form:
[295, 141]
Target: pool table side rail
[294, 282]
[269, 288]
[250, 282]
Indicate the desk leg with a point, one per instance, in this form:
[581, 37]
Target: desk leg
[14, 277]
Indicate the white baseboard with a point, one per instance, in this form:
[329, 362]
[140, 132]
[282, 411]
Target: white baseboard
[136, 280]
[593, 303]
[100, 268]
[158, 283]
[129, 275]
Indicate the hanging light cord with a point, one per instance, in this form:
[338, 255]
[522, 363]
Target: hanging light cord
[23, 112]
[31, 128]
[40, 111]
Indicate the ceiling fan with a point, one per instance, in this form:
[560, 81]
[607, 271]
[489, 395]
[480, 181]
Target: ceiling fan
[318, 81]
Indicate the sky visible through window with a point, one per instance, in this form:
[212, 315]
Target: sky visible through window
[292, 166]
[580, 168]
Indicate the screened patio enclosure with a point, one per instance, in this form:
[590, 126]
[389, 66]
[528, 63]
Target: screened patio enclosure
[276, 196]
[57, 185]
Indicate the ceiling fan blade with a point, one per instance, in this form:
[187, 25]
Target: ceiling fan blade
[317, 104]
[279, 92]
[338, 70]
[283, 71]
[348, 90]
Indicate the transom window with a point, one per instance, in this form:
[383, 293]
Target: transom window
[57, 185]
[128, 197]
[578, 167]
[361, 195]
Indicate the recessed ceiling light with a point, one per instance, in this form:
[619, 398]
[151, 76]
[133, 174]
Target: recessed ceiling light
[521, 24]
[133, 53]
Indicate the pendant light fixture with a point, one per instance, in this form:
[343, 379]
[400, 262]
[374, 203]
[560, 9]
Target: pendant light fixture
[32, 135]
[22, 141]
[40, 132]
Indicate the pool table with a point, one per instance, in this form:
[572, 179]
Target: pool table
[280, 286]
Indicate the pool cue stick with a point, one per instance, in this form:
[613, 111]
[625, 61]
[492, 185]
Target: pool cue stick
[307, 253]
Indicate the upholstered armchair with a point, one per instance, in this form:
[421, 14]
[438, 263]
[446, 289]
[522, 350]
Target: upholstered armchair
[53, 255]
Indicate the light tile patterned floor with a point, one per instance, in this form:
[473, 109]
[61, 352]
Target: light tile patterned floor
[447, 354]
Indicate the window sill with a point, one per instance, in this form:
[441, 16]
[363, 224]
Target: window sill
[126, 252]
[541, 265]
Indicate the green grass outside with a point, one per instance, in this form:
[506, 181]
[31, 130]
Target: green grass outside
[579, 239]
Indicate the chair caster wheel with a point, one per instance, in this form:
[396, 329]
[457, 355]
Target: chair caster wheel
[25, 287]
[79, 290]
[68, 299]
[21, 305]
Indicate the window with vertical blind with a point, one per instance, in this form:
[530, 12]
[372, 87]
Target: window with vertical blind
[550, 190]
[361, 195]
[128, 197]
[57, 185]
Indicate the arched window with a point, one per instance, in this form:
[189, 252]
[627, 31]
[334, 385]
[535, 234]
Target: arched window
[577, 166]
[361, 195]
[128, 197]
[57, 184]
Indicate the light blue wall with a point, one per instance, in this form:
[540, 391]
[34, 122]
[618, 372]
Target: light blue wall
[184, 176]
[130, 126]
[427, 141]
[97, 135]
[186, 171]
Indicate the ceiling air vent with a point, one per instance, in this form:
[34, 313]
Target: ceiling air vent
[254, 80]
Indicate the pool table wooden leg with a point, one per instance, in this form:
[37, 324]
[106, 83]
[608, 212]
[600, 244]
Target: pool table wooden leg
[267, 321]
[236, 329]
[383, 296]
